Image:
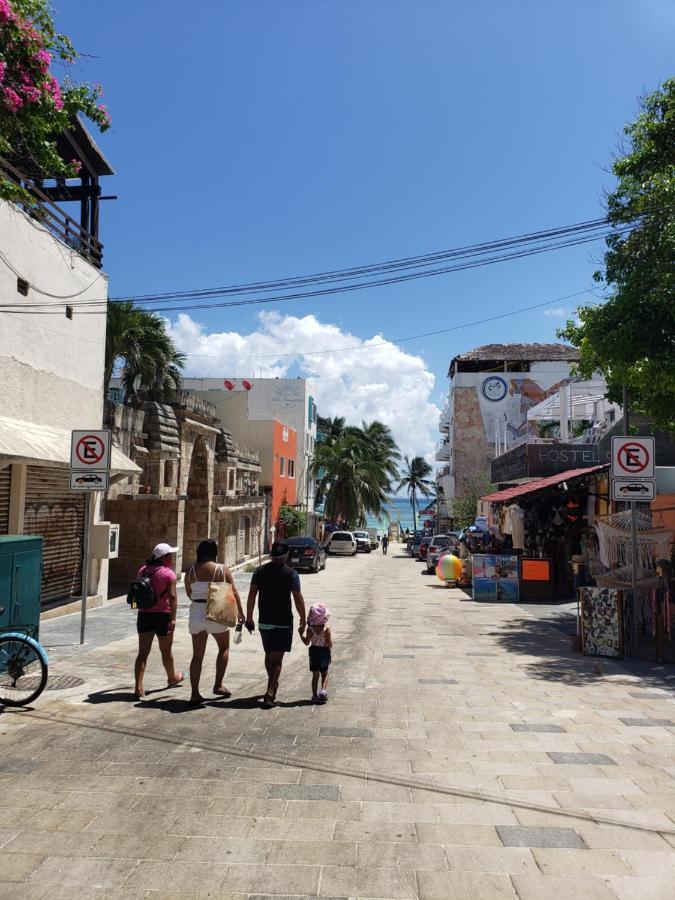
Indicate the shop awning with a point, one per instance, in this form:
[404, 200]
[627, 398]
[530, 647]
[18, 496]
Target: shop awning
[27, 442]
[539, 484]
[429, 510]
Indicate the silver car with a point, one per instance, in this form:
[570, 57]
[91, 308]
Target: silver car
[440, 544]
[341, 542]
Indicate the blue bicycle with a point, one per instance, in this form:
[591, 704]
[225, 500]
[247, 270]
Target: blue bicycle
[23, 667]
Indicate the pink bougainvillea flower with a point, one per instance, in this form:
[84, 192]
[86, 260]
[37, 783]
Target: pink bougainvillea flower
[7, 14]
[44, 59]
[76, 164]
[12, 101]
[3, 67]
[31, 93]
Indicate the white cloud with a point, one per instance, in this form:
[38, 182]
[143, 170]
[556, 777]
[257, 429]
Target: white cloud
[381, 382]
[557, 312]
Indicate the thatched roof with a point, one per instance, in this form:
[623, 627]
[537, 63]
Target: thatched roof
[498, 353]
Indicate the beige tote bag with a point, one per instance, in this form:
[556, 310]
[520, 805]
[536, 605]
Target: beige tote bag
[221, 606]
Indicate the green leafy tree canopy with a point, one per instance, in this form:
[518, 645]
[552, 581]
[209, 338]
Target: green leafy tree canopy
[631, 337]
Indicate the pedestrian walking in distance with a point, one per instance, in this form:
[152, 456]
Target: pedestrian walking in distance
[160, 619]
[197, 580]
[274, 584]
[318, 637]
[385, 543]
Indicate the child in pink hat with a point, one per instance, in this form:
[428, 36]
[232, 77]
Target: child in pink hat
[320, 641]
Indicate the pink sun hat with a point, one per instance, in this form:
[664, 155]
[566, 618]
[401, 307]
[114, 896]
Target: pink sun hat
[319, 614]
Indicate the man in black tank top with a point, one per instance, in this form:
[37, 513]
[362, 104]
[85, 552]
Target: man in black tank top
[275, 584]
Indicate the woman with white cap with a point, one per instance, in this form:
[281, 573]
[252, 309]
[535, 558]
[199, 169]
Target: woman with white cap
[160, 619]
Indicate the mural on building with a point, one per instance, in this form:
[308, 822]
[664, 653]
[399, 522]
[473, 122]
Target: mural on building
[505, 401]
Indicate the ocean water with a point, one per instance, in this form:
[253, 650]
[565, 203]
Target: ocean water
[399, 510]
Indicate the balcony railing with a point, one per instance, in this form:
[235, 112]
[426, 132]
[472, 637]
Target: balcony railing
[53, 218]
[239, 499]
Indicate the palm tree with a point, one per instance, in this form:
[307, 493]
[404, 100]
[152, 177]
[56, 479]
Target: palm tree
[330, 429]
[355, 471]
[138, 344]
[416, 479]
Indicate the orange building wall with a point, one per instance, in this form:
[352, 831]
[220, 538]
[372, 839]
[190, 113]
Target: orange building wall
[283, 484]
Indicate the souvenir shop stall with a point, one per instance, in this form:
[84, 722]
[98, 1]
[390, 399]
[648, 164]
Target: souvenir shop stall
[544, 545]
[607, 611]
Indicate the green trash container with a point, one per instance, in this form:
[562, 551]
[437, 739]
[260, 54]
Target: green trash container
[20, 582]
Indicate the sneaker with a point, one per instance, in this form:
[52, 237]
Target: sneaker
[323, 696]
[315, 698]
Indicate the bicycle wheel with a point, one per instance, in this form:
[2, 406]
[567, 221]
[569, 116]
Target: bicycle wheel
[23, 672]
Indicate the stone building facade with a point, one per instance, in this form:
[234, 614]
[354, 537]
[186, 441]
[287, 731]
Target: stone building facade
[195, 483]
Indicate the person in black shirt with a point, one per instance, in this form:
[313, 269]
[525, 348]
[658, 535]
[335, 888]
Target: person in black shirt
[274, 584]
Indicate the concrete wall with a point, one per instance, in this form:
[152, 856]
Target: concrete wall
[51, 367]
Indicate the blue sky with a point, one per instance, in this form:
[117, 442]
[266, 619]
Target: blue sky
[260, 139]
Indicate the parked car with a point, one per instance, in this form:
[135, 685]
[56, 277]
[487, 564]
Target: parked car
[362, 541]
[306, 553]
[440, 544]
[413, 542]
[423, 548]
[342, 542]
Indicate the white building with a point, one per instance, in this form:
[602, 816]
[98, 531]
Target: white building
[241, 402]
[51, 382]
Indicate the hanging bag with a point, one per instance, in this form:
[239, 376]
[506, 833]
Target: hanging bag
[221, 606]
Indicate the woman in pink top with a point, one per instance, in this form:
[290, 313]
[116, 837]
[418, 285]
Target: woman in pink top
[160, 619]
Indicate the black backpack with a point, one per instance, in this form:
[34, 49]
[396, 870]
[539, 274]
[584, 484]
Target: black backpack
[141, 593]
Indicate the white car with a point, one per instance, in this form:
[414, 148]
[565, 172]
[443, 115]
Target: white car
[342, 542]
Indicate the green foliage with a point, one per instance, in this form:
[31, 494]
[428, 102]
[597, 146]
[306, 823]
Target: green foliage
[137, 343]
[293, 519]
[416, 480]
[465, 506]
[355, 467]
[34, 107]
[631, 338]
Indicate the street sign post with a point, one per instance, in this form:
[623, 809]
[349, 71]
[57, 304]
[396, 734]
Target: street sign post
[632, 473]
[89, 469]
[90, 450]
[633, 491]
[632, 457]
[88, 481]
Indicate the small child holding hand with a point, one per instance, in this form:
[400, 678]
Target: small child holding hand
[320, 641]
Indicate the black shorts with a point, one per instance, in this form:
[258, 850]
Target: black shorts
[319, 659]
[277, 640]
[153, 622]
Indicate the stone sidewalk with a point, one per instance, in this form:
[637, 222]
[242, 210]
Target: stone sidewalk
[465, 752]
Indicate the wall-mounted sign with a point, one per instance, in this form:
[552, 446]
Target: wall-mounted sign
[494, 388]
[535, 569]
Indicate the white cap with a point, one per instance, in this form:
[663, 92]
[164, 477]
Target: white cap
[162, 550]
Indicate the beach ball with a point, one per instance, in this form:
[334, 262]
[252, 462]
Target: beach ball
[449, 568]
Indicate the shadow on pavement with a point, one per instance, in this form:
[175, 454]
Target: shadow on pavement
[118, 695]
[550, 638]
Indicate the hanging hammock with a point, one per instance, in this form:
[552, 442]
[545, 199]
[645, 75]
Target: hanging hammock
[616, 548]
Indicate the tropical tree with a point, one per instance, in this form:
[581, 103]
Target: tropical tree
[35, 108]
[415, 479]
[330, 429]
[355, 470]
[138, 346]
[631, 337]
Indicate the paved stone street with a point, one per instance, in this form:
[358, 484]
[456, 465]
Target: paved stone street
[465, 752]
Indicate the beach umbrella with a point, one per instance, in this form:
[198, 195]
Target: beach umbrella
[449, 568]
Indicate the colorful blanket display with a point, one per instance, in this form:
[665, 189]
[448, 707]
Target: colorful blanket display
[603, 625]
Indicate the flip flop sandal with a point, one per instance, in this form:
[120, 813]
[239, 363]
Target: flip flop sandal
[268, 701]
[179, 680]
[224, 693]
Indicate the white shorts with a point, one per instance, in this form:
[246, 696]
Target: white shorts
[198, 623]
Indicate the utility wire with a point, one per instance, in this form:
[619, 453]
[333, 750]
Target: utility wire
[85, 307]
[549, 239]
[402, 340]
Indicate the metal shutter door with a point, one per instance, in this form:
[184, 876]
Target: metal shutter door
[5, 482]
[55, 512]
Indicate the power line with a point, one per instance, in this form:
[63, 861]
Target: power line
[402, 340]
[466, 257]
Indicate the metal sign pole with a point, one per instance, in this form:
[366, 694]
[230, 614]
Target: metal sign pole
[634, 577]
[85, 564]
